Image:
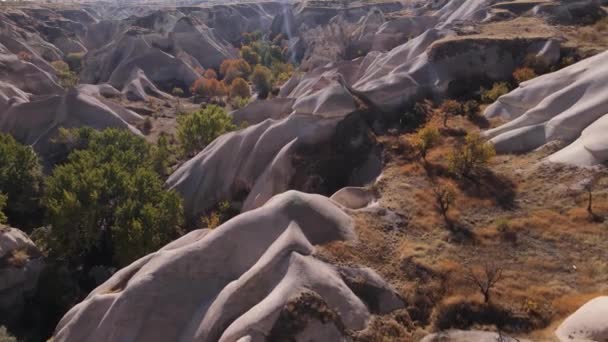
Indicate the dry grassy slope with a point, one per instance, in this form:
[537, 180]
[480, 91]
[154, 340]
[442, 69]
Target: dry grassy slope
[558, 261]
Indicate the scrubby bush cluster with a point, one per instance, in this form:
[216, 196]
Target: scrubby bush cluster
[67, 77]
[471, 156]
[197, 129]
[491, 95]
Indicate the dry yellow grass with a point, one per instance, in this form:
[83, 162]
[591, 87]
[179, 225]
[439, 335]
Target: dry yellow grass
[551, 251]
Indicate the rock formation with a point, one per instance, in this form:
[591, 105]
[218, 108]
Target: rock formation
[20, 265]
[566, 106]
[276, 287]
[587, 324]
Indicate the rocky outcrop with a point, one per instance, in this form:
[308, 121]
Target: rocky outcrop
[20, 266]
[567, 105]
[260, 163]
[587, 324]
[36, 122]
[254, 278]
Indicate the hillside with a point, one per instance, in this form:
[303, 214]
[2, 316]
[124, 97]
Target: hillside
[304, 170]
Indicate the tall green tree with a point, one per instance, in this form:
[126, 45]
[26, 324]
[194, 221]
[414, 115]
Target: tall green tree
[106, 205]
[20, 181]
[197, 129]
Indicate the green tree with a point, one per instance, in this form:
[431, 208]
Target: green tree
[249, 55]
[197, 129]
[426, 139]
[106, 205]
[67, 78]
[20, 181]
[262, 80]
[498, 89]
[471, 156]
[162, 155]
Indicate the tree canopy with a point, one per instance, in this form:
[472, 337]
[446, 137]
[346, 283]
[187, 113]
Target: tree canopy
[197, 129]
[20, 182]
[106, 205]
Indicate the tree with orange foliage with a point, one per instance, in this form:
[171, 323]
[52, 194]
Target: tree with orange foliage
[233, 68]
[208, 88]
[210, 74]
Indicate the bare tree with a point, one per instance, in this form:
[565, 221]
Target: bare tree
[485, 278]
[588, 187]
[445, 196]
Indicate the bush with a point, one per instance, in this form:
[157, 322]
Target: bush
[234, 68]
[498, 89]
[147, 126]
[106, 205]
[463, 314]
[208, 88]
[67, 78]
[240, 88]
[196, 130]
[20, 182]
[262, 80]
[210, 74]
[426, 139]
[471, 109]
[74, 61]
[249, 55]
[468, 158]
[523, 74]
[239, 102]
[450, 108]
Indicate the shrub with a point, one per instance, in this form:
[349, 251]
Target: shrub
[147, 126]
[240, 88]
[249, 55]
[197, 129]
[282, 72]
[468, 158]
[67, 78]
[417, 115]
[426, 139]
[20, 182]
[210, 74]
[178, 92]
[106, 205]
[463, 314]
[262, 80]
[239, 102]
[523, 74]
[450, 108]
[234, 68]
[498, 89]
[218, 216]
[471, 109]
[162, 155]
[74, 61]
[209, 88]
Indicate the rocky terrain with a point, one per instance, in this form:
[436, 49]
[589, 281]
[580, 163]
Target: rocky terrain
[365, 171]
